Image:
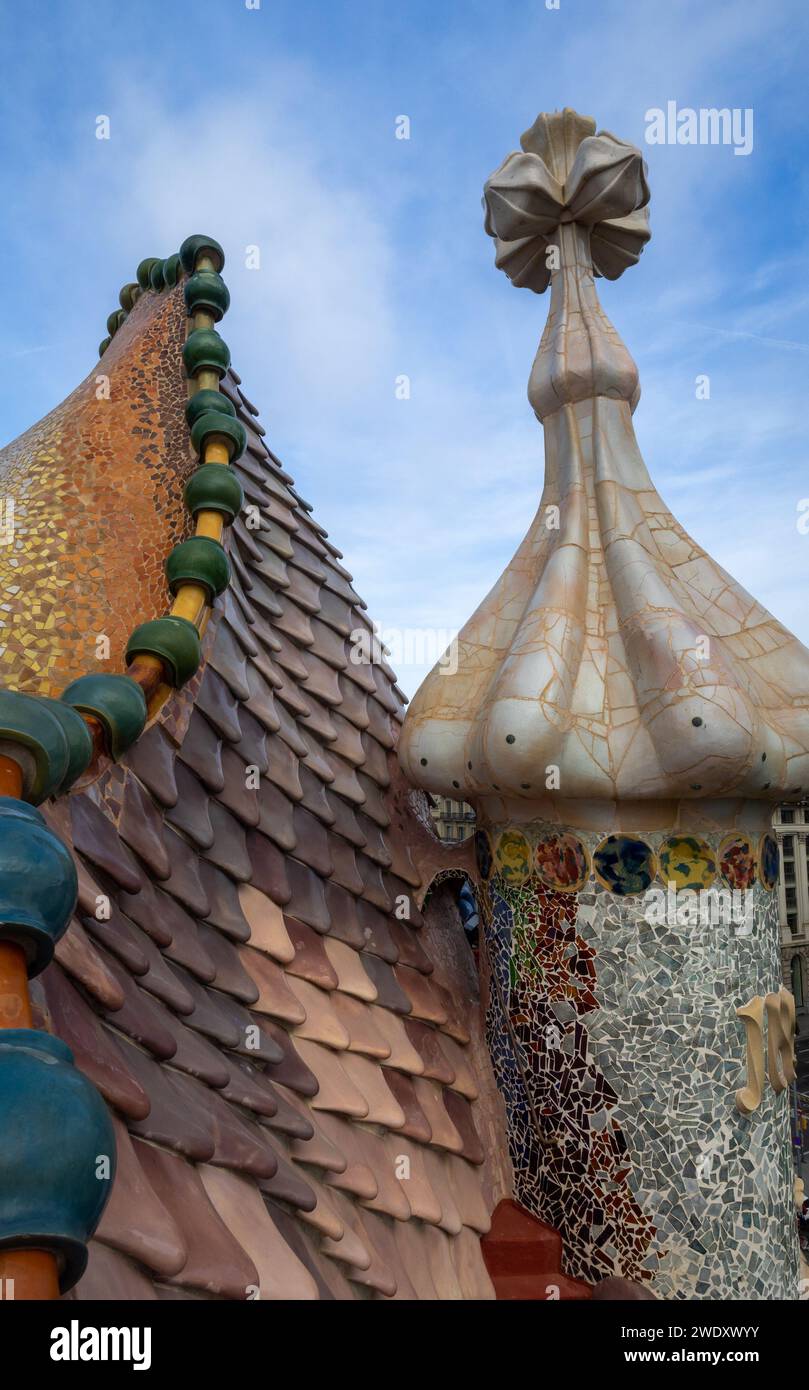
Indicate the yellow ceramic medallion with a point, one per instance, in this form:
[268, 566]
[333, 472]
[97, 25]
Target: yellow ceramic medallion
[512, 857]
[687, 862]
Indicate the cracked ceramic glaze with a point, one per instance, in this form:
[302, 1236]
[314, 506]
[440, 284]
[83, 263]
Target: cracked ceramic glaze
[612, 648]
[621, 716]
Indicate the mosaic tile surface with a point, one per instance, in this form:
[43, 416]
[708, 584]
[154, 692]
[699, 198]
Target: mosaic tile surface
[97, 493]
[615, 1041]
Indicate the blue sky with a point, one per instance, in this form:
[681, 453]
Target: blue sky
[275, 127]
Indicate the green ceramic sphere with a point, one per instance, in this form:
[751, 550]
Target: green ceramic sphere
[199, 560]
[207, 292]
[174, 640]
[203, 402]
[156, 281]
[193, 246]
[224, 427]
[214, 488]
[143, 272]
[27, 722]
[116, 701]
[79, 741]
[103, 345]
[204, 350]
[116, 318]
[128, 296]
[172, 270]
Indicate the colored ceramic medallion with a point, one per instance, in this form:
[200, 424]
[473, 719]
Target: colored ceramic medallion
[512, 857]
[687, 862]
[737, 861]
[562, 862]
[624, 864]
[483, 854]
[769, 861]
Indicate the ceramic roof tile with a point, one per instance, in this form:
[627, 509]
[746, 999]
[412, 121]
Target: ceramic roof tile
[465, 1183]
[312, 841]
[310, 960]
[403, 1055]
[212, 1014]
[473, 1276]
[376, 930]
[261, 704]
[201, 751]
[315, 799]
[252, 747]
[229, 848]
[239, 794]
[219, 706]
[409, 947]
[230, 977]
[275, 997]
[331, 1283]
[424, 999]
[317, 1148]
[347, 963]
[291, 1071]
[140, 825]
[111, 1277]
[247, 1086]
[185, 883]
[358, 1021]
[406, 1162]
[389, 991]
[77, 955]
[197, 1057]
[321, 1023]
[344, 873]
[383, 1107]
[345, 820]
[270, 869]
[135, 1221]
[94, 1047]
[416, 1124]
[152, 910]
[322, 1216]
[439, 1260]
[430, 1097]
[224, 909]
[275, 815]
[289, 1183]
[336, 1091]
[191, 815]
[280, 1275]
[140, 1016]
[460, 1113]
[268, 929]
[95, 837]
[217, 1263]
[410, 1245]
[464, 1078]
[391, 1197]
[152, 760]
[120, 937]
[438, 1171]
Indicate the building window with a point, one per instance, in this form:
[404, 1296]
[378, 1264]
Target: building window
[787, 815]
[789, 846]
[792, 922]
[797, 981]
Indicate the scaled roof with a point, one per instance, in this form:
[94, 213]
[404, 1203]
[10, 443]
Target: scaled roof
[288, 1060]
